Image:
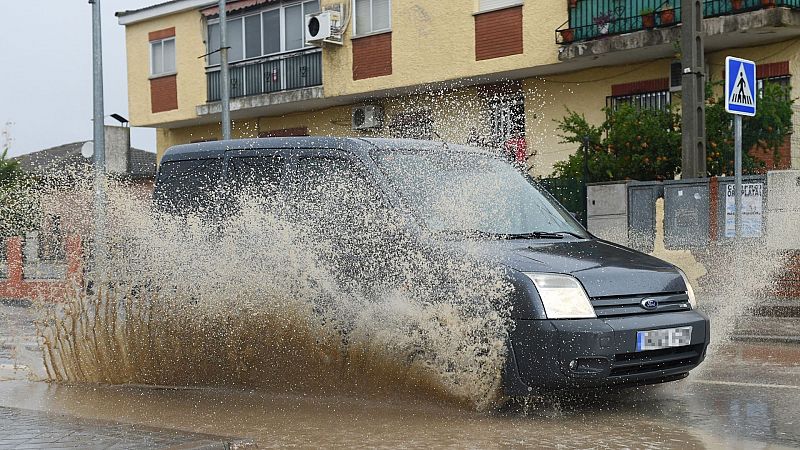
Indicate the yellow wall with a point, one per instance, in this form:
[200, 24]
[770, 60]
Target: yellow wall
[435, 40]
[189, 42]
[585, 92]
[454, 113]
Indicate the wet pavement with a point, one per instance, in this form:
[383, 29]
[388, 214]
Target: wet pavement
[745, 396]
[24, 429]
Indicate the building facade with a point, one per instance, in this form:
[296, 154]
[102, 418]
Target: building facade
[492, 71]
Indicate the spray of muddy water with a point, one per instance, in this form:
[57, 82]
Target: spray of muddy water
[730, 279]
[321, 296]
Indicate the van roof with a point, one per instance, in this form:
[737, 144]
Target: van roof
[217, 149]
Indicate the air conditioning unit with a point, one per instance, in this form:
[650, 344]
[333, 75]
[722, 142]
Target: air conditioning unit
[367, 117]
[675, 76]
[322, 27]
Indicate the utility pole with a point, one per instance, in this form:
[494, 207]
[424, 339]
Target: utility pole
[585, 190]
[693, 112]
[99, 140]
[225, 78]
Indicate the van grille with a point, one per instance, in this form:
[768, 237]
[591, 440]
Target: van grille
[655, 360]
[632, 305]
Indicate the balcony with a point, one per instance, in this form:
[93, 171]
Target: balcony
[266, 75]
[599, 19]
[618, 32]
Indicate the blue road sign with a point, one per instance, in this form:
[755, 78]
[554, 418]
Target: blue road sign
[740, 86]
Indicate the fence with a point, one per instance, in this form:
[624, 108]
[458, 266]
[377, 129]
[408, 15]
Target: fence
[569, 192]
[271, 74]
[592, 19]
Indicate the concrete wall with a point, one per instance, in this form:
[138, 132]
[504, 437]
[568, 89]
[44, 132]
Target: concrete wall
[118, 145]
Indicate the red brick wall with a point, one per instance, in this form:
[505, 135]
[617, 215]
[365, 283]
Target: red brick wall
[164, 93]
[787, 281]
[17, 287]
[498, 33]
[783, 160]
[372, 56]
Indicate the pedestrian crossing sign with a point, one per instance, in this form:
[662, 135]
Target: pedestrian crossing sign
[740, 86]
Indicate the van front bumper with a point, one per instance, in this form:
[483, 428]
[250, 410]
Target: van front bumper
[548, 355]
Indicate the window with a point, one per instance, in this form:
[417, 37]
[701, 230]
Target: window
[647, 100]
[266, 32]
[257, 175]
[412, 125]
[372, 16]
[508, 118]
[335, 194]
[489, 5]
[187, 187]
[162, 57]
[784, 81]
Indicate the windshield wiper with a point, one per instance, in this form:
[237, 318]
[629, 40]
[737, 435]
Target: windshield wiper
[534, 235]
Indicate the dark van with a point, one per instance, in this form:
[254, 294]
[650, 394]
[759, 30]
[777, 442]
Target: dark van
[586, 312]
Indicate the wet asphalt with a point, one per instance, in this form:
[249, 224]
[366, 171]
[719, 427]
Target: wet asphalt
[746, 395]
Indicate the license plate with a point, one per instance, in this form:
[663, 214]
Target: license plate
[666, 338]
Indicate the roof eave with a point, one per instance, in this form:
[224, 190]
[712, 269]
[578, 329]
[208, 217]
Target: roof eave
[163, 9]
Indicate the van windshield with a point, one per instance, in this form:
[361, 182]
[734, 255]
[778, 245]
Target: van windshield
[456, 192]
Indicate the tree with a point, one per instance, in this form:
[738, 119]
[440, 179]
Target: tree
[645, 144]
[765, 133]
[632, 143]
[17, 197]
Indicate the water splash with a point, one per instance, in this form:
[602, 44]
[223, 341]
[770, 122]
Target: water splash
[266, 300]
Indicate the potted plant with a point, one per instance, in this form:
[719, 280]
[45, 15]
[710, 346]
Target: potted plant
[648, 17]
[567, 35]
[768, 3]
[573, 3]
[737, 5]
[603, 21]
[666, 15]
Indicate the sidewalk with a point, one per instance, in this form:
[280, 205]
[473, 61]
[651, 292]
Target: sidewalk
[767, 320]
[24, 429]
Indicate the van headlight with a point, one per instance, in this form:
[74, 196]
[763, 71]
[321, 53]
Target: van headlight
[689, 289]
[563, 296]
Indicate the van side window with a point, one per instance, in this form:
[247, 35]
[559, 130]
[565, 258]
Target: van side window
[258, 175]
[187, 187]
[335, 191]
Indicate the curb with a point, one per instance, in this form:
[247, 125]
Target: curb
[766, 338]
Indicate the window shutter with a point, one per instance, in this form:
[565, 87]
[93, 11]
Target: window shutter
[486, 5]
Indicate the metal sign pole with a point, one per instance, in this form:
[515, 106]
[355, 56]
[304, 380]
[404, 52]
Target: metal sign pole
[737, 137]
[740, 100]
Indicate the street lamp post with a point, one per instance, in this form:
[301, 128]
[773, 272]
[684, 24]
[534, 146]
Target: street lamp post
[225, 78]
[99, 140]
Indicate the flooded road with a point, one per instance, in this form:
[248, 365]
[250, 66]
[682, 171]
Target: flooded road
[745, 397]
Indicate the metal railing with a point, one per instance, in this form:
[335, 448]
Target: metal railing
[269, 74]
[593, 19]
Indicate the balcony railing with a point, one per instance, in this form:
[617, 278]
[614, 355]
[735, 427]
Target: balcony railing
[593, 19]
[269, 74]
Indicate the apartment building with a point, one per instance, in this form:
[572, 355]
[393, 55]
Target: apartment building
[456, 70]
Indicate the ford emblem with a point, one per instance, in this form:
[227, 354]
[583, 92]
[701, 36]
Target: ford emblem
[649, 304]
